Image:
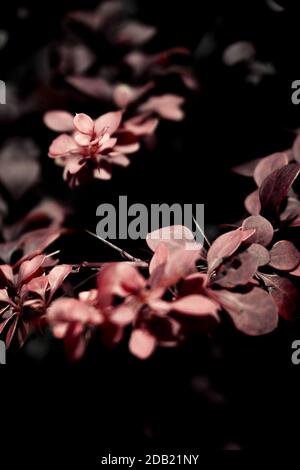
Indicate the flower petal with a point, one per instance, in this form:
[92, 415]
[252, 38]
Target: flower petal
[108, 122]
[59, 121]
[84, 124]
[62, 145]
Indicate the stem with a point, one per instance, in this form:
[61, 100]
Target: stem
[123, 253]
[201, 231]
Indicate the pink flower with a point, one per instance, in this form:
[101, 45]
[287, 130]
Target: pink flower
[91, 150]
[124, 297]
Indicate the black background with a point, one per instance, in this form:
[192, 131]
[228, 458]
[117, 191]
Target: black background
[230, 391]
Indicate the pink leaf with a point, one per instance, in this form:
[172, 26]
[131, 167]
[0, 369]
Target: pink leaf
[134, 34]
[195, 305]
[123, 315]
[66, 310]
[276, 186]
[6, 273]
[263, 229]
[59, 121]
[260, 253]
[160, 256]
[237, 270]
[141, 126]
[285, 295]
[284, 256]
[142, 344]
[30, 268]
[225, 245]
[269, 164]
[56, 277]
[108, 122]
[253, 313]
[241, 51]
[246, 169]
[296, 149]
[296, 271]
[252, 203]
[180, 263]
[4, 297]
[175, 236]
[37, 285]
[118, 279]
[96, 87]
[11, 330]
[166, 106]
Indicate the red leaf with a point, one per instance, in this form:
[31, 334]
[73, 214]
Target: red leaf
[284, 293]
[252, 203]
[269, 164]
[276, 186]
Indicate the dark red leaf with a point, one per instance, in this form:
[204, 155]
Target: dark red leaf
[269, 164]
[284, 293]
[276, 186]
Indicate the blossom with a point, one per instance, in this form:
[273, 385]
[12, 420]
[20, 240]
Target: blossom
[91, 150]
[124, 298]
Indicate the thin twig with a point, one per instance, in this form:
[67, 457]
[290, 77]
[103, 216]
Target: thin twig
[123, 253]
[52, 254]
[201, 231]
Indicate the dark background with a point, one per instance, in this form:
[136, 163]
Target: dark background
[227, 392]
